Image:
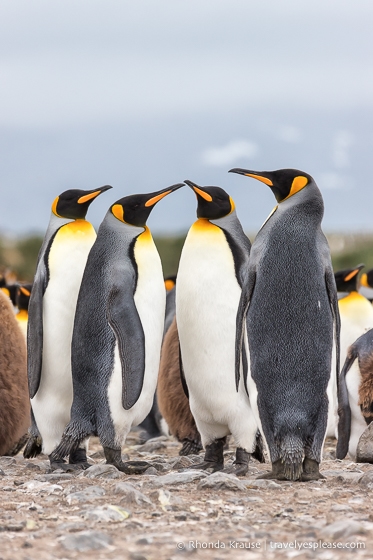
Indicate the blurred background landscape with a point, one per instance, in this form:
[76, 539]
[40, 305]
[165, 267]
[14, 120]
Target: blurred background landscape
[144, 95]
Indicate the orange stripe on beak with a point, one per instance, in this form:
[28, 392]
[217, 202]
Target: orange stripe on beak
[203, 194]
[351, 275]
[24, 291]
[155, 199]
[88, 197]
[260, 178]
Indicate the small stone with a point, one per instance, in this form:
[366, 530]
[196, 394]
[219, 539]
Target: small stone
[342, 528]
[86, 495]
[32, 467]
[182, 462]
[16, 527]
[261, 483]
[107, 513]
[2, 473]
[221, 481]
[137, 556]
[364, 450]
[151, 446]
[144, 540]
[7, 461]
[87, 540]
[131, 494]
[151, 471]
[177, 478]
[53, 477]
[103, 471]
[367, 479]
[341, 507]
[161, 467]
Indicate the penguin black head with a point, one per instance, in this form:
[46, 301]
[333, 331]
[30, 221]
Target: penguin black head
[213, 202]
[284, 183]
[134, 210]
[366, 279]
[346, 280]
[74, 203]
[23, 296]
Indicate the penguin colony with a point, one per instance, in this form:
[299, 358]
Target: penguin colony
[252, 335]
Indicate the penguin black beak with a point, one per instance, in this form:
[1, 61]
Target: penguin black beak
[254, 174]
[199, 191]
[158, 195]
[92, 194]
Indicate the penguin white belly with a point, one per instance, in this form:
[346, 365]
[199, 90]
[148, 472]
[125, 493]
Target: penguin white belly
[150, 301]
[67, 259]
[207, 297]
[331, 391]
[358, 424]
[356, 318]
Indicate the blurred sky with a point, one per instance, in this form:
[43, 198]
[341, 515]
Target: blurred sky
[141, 95]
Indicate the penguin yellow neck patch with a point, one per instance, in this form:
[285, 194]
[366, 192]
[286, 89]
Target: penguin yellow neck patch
[297, 185]
[203, 225]
[233, 206]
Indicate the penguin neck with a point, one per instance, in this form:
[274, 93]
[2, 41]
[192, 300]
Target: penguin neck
[22, 315]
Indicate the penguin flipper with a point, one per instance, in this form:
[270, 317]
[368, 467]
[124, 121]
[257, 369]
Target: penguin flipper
[126, 324]
[243, 305]
[35, 334]
[333, 300]
[344, 410]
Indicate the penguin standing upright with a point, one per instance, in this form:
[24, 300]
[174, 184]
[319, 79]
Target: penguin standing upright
[22, 300]
[356, 314]
[290, 310]
[118, 330]
[211, 272]
[59, 271]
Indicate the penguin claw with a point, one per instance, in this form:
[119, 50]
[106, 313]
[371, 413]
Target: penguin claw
[68, 467]
[237, 469]
[132, 467]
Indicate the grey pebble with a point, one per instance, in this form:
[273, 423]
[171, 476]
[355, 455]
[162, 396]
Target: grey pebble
[151, 446]
[131, 494]
[261, 483]
[173, 479]
[87, 540]
[151, 471]
[53, 477]
[364, 450]
[106, 513]
[342, 528]
[85, 495]
[367, 479]
[221, 481]
[102, 471]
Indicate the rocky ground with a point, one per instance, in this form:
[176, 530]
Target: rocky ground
[172, 512]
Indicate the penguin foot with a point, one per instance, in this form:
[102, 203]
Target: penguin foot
[114, 457]
[33, 447]
[277, 472]
[214, 456]
[78, 458]
[241, 464]
[190, 447]
[61, 464]
[311, 470]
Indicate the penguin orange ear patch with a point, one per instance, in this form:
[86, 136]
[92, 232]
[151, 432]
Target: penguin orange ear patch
[54, 207]
[364, 280]
[298, 184]
[118, 211]
[233, 206]
[88, 197]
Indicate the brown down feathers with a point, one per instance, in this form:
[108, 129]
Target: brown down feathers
[172, 402]
[366, 387]
[14, 396]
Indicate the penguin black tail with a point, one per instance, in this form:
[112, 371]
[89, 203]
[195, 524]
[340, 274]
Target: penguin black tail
[291, 455]
[70, 442]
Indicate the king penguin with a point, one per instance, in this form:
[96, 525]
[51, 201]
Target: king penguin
[289, 308]
[211, 272]
[366, 284]
[356, 313]
[59, 271]
[22, 300]
[117, 331]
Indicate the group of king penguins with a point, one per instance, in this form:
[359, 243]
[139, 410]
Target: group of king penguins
[247, 344]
